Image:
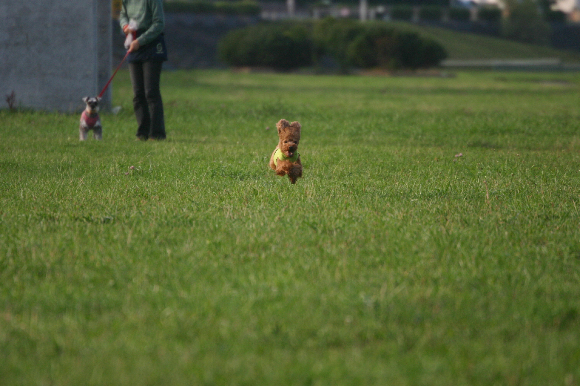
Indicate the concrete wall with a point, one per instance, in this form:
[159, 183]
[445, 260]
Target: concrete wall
[104, 49]
[52, 53]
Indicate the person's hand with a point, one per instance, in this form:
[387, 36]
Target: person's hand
[128, 30]
[134, 46]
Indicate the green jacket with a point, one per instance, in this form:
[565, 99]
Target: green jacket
[149, 17]
[279, 155]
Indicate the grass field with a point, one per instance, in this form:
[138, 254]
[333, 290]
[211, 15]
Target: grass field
[434, 238]
[471, 46]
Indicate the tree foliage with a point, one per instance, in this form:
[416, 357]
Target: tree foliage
[525, 23]
[348, 42]
[279, 46]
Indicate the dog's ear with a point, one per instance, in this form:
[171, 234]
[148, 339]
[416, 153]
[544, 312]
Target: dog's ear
[296, 125]
[99, 99]
[282, 124]
[85, 99]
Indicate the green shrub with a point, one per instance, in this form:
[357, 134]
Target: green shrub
[490, 14]
[374, 47]
[414, 52]
[432, 53]
[430, 13]
[226, 8]
[459, 14]
[526, 24]
[333, 36]
[248, 8]
[556, 16]
[219, 7]
[190, 7]
[279, 46]
[401, 12]
[348, 42]
[379, 46]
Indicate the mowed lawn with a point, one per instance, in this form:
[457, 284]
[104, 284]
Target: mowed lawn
[433, 240]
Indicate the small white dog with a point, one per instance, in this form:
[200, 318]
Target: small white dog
[90, 119]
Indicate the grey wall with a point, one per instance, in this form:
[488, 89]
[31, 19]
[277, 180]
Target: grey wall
[104, 49]
[54, 52]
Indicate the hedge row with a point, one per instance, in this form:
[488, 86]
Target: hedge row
[220, 7]
[556, 16]
[442, 3]
[350, 43]
[490, 14]
[459, 14]
[405, 12]
[278, 46]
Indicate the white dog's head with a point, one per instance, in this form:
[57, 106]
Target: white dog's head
[92, 104]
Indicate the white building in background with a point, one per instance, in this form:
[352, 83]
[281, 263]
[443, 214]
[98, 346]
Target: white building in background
[567, 6]
[560, 5]
[487, 2]
[469, 3]
[571, 7]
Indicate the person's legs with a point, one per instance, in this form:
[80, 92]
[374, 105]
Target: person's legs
[140, 105]
[152, 76]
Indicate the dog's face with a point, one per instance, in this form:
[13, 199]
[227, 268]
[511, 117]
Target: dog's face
[92, 104]
[289, 134]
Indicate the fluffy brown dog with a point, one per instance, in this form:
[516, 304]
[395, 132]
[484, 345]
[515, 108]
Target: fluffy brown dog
[285, 159]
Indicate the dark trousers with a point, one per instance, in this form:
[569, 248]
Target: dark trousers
[147, 103]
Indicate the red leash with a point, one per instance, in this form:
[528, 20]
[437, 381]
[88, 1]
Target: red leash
[114, 73]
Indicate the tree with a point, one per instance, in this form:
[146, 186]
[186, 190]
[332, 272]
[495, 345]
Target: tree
[525, 23]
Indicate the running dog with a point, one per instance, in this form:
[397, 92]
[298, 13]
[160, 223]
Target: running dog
[285, 159]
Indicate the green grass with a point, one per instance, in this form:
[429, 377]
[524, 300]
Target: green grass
[394, 261]
[467, 46]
